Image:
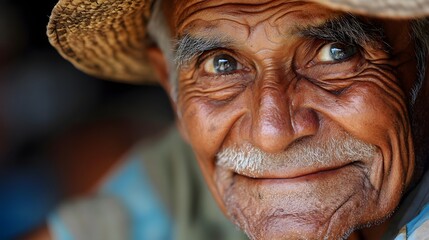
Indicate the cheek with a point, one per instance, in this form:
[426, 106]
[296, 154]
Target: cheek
[380, 117]
[370, 108]
[373, 109]
[207, 124]
[372, 114]
[197, 122]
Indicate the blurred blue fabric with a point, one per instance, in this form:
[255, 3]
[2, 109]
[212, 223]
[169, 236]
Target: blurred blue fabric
[27, 196]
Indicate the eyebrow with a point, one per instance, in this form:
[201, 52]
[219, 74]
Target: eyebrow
[347, 29]
[189, 47]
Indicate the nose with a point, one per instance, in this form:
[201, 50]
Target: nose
[279, 119]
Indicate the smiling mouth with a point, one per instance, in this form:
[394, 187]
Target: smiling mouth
[303, 159]
[301, 174]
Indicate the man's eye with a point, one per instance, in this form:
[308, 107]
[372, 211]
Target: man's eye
[222, 64]
[336, 52]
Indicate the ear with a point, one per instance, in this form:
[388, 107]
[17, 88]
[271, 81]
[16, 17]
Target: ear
[159, 64]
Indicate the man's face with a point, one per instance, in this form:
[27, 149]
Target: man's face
[296, 114]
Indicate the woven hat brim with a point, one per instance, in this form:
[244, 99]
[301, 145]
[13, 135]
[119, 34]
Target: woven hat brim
[107, 38]
[104, 38]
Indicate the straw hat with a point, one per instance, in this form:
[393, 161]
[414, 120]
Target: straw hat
[107, 38]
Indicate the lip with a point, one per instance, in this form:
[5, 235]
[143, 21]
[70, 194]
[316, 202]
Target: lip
[303, 174]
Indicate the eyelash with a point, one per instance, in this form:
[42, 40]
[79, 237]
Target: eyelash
[208, 54]
[202, 57]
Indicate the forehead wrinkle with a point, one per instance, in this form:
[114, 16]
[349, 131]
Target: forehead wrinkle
[301, 21]
[231, 10]
[273, 23]
[200, 26]
[215, 12]
[293, 8]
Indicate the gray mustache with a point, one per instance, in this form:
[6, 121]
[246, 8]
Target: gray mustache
[252, 161]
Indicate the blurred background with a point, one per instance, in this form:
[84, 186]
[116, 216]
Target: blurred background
[60, 130]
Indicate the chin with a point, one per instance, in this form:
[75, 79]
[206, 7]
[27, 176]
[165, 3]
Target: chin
[281, 225]
[310, 207]
[283, 229]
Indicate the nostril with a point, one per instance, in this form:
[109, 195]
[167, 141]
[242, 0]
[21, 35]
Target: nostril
[305, 122]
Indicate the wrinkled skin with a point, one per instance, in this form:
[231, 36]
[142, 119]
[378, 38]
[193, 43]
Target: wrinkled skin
[285, 93]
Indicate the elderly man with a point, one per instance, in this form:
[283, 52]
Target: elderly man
[308, 119]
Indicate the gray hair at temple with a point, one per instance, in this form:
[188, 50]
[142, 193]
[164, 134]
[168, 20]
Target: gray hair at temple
[158, 31]
[420, 34]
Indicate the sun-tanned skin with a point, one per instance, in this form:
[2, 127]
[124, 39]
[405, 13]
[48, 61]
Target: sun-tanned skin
[284, 93]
